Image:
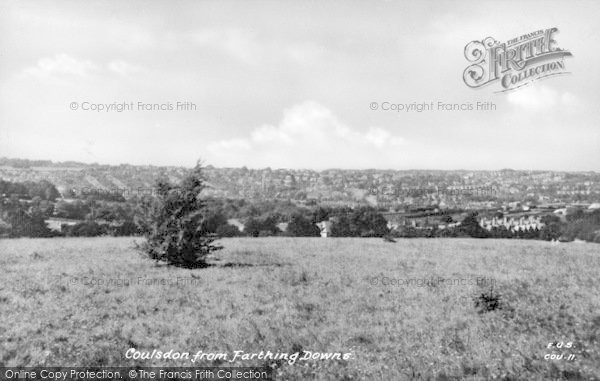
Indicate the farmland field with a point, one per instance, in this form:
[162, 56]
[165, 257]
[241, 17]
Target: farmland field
[68, 302]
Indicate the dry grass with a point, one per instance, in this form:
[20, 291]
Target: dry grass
[285, 295]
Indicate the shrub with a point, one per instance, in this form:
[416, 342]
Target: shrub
[361, 222]
[301, 226]
[340, 227]
[470, 227]
[84, 229]
[4, 229]
[174, 223]
[262, 227]
[28, 223]
[252, 227]
[368, 222]
[213, 220]
[487, 301]
[127, 228]
[228, 231]
[491, 300]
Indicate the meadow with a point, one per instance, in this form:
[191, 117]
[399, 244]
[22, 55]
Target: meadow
[442, 309]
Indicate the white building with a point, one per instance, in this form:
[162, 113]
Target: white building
[325, 228]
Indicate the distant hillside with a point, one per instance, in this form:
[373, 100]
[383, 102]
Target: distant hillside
[376, 187]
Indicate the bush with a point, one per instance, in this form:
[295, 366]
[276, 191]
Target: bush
[28, 223]
[213, 220]
[470, 227]
[301, 226]
[228, 231]
[368, 222]
[252, 227]
[262, 227]
[487, 301]
[361, 222]
[174, 220]
[340, 227]
[128, 228]
[4, 229]
[84, 229]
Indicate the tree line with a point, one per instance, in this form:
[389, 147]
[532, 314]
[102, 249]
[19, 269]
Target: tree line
[24, 208]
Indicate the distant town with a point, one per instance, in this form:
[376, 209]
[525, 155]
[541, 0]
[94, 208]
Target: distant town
[415, 201]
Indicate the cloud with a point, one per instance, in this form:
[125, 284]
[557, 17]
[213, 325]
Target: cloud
[62, 65]
[235, 145]
[380, 138]
[234, 42]
[304, 52]
[124, 68]
[247, 47]
[309, 135]
[539, 97]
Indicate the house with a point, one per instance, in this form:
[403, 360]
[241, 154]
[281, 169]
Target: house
[57, 223]
[523, 223]
[282, 226]
[391, 225]
[325, 228]
[235, 222]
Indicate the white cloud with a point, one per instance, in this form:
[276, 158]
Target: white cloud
[568, 98]
[539, 97]
[230, 145]
[309, 135]
[246, 46]
[304, 52]
[61, 64]
[239, 44]
[124, 68]
[380, 138]
[63, 67]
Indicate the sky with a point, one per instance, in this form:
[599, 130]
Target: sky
[291, 84]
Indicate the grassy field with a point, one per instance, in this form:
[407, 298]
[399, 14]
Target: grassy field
[87, 301]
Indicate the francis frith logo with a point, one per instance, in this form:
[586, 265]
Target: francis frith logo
[514, 63]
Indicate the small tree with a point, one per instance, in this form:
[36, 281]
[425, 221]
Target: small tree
[25, 221]
[264, 227]
[173, 223]
[341, 227]
[300, 226]
[368, 222]
[252, 227]
[228, 231]
[470, 226]
[447, 219]
[552, 229]
[213, 218]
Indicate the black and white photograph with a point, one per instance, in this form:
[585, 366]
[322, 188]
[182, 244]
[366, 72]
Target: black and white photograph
[299, 190]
